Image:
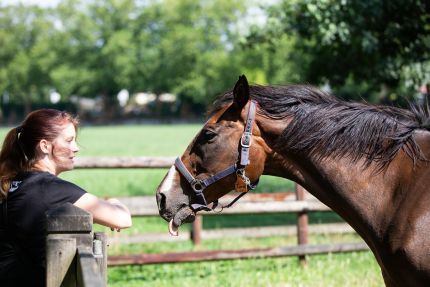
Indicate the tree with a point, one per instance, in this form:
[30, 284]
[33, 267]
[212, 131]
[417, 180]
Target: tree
[185, 47]
[25, 54]
[157, 46]
[97, 48]
[363, 45]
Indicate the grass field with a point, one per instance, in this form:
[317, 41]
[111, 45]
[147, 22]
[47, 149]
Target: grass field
[353, 269]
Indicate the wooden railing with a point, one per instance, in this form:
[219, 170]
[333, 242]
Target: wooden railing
[252, 203]
[283, 202]
[299, 202]
[75, 256]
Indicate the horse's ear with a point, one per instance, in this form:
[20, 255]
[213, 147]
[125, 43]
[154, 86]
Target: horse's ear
[241, 92]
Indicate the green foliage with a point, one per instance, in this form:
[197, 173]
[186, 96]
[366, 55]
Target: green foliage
[367, 48]
[91, 48]
[25, 55]
[376, 50]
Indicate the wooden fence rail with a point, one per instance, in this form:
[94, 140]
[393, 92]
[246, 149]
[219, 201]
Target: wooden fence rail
[299, 202]
[249, 204]
[197, 256]
[124, 162]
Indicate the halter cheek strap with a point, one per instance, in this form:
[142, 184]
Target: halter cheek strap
[245, 141]
[242, 183]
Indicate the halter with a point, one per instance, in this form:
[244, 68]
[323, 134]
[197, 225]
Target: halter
[242, 182]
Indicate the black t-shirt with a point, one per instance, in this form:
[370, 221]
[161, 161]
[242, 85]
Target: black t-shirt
[31, 194]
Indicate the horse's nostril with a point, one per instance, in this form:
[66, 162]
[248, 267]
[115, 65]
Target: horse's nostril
[161, 199]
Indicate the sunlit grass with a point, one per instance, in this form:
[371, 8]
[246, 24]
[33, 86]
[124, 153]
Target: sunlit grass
[351, 269]
[340, 270]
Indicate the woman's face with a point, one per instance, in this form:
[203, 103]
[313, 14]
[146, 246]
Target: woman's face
[64, 149]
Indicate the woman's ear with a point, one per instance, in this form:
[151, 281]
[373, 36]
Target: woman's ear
[45, 146]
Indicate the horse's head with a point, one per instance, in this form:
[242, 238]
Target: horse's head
[220, 159]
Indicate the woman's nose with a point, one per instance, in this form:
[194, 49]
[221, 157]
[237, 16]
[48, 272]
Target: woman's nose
[75, 147]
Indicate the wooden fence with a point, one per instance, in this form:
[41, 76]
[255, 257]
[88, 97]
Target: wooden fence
[74, 255]
[299, 202]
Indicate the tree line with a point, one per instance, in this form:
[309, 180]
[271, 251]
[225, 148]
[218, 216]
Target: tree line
[372, 50]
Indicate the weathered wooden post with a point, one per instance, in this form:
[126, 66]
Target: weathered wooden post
[302, 223]
[69, 246]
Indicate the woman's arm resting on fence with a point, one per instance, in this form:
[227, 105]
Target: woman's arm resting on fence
[110, 212]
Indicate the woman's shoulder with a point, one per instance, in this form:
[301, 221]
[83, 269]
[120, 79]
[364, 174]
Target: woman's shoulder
[59, 183]
[46, 180]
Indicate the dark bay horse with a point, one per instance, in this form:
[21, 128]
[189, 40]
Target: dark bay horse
[368, 163]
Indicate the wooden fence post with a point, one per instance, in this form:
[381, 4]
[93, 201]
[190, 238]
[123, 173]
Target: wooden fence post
[69, 229]
[60, 261]
[302, 223]
[196, 230]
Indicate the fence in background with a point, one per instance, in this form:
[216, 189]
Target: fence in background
[299, 202]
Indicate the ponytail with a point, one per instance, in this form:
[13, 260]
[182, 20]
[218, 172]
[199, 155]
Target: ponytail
[12, 160]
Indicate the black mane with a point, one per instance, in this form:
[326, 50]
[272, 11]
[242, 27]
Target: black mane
[323, 125]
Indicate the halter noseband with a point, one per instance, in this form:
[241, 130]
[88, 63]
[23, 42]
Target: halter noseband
[239, 168]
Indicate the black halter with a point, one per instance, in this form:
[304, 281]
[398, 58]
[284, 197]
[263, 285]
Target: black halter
[239, 168]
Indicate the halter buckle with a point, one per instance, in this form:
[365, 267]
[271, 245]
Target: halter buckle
[242, 181]
[245, 141]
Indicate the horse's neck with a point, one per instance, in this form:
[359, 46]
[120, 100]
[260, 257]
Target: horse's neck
[358, 194]
[345, 186]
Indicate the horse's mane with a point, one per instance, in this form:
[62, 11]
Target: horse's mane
[323, 125]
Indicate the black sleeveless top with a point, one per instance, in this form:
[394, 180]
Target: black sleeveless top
[23, 225]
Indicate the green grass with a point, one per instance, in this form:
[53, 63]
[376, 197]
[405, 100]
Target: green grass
[353, 269]
[136, 140]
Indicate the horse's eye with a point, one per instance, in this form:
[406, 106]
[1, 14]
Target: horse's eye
[209, 135]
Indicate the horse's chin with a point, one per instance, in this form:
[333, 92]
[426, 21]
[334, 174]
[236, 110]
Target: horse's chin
[184, 215]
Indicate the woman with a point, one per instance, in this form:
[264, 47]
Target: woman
[31, 158]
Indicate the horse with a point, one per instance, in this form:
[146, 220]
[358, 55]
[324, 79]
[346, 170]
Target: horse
[368, 163]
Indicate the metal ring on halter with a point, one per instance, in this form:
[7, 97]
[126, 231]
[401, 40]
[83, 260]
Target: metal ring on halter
[197, 185]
